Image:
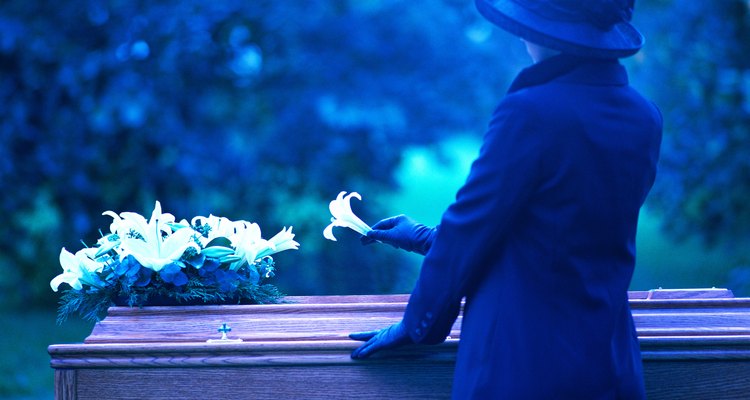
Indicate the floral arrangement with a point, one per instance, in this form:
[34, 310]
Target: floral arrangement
[207, 260]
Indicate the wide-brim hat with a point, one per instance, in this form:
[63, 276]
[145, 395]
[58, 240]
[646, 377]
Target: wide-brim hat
[551, 24]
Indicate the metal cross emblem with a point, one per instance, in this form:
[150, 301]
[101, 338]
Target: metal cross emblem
[224, 329]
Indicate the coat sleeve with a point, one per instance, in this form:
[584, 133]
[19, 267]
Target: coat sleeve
[500, 182]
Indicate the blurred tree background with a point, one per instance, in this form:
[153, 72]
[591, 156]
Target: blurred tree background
[264, 111]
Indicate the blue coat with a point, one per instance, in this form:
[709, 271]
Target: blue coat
[541, 240]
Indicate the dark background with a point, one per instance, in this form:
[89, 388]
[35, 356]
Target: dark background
[265, 110]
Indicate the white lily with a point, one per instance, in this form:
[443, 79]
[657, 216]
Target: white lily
[77, 269]
[248, 243]
[157, 245]
[128, 223]
[283, 240]
[344, 217]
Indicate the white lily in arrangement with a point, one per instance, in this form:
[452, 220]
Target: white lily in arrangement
[283, 240]
[343, 216]
[77, 269]
[134, 223]
[248, 243]
[250, 246]
[152, 243]
[158, 252]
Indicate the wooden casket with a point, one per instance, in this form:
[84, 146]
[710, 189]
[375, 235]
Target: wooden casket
[695, 345]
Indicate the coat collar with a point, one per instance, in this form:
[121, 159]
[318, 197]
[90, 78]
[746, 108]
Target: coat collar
[571, 69]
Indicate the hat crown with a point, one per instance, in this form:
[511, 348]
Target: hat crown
[588, 28]
[603, 14]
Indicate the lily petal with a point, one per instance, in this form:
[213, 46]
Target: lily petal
[87, 260]
[328, 231]
[68, 261]
[178, 240]
[114, 227]
[66, 277]
[134, 221]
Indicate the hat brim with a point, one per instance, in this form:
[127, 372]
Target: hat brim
[580, 39]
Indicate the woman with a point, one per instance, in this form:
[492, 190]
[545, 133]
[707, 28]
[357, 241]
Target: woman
[541, 238]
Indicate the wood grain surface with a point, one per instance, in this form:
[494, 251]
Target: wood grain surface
[695, 345]
[369, 381]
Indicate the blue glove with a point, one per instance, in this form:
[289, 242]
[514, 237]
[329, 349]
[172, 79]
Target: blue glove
[388, 338]
[402, 232]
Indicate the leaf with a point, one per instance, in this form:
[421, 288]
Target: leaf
[175, 226]
[229, 259]
[217, 251]
[219, 241]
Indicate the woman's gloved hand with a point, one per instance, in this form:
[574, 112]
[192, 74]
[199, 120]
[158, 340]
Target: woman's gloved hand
[402, 232]
[388, 338]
